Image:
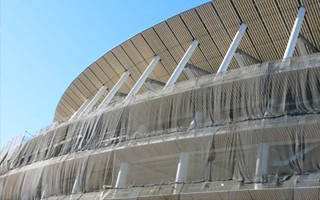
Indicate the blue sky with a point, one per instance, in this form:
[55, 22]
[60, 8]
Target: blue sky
[45, 45]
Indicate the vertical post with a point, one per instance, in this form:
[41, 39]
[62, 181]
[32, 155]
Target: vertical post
[93, 101]
[197, 120]
[261, 164]
[232, 49]
[114, 90]
[173, 78]
[44, 194]
[143, 78]
[122, 175]
[75, 188]
[182, 167]
[294, 33]
[182, 170]
[85, 103]
[202, 71]
[198, 117]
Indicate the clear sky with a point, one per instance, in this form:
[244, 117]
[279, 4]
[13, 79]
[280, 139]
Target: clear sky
[45, 45]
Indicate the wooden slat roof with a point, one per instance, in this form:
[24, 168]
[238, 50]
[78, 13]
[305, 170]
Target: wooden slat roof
[214, 24]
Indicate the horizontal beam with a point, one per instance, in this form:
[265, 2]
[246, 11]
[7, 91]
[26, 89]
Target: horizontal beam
[198, 69]
[248, 56]
[294, 157]
[308, 44]
[121, 94]
[153, 81]
[149, 86]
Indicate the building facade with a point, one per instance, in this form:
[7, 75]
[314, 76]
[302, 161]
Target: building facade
[223, 102]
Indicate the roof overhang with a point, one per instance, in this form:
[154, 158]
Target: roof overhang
[214, 25]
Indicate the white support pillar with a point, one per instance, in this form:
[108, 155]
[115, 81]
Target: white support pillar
[294, 33]
[122, 175]
[302, 47]
[143, 78]
[197, 121]
[232, 49]
[93, 101]
[173, 78]
[182, 170]
[75, 115]
[239, 59]
[189, 73]
[76, 185]
[261, 164]
[45, 194]
[114, 90]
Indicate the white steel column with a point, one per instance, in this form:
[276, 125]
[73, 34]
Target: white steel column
[294, 33]
[114, 90]
[197, 120]
[173, 78]
[261, 164]
[76, 185]
[143, 78]
[122, 175]
[232, 49]
[94, 100]
[44, 194]
[85, 103]
[302, 47]
[182, 168]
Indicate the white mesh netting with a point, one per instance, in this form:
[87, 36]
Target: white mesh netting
[256, 127]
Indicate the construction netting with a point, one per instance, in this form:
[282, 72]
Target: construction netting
[10, 147]
[251, 128]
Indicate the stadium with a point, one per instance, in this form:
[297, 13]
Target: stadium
[219, 102]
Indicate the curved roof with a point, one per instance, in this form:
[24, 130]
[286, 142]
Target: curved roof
[214, 25]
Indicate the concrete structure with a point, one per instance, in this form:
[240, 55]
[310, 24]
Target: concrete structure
[250, 132]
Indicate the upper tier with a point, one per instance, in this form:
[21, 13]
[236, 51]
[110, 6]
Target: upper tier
[251, 94]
